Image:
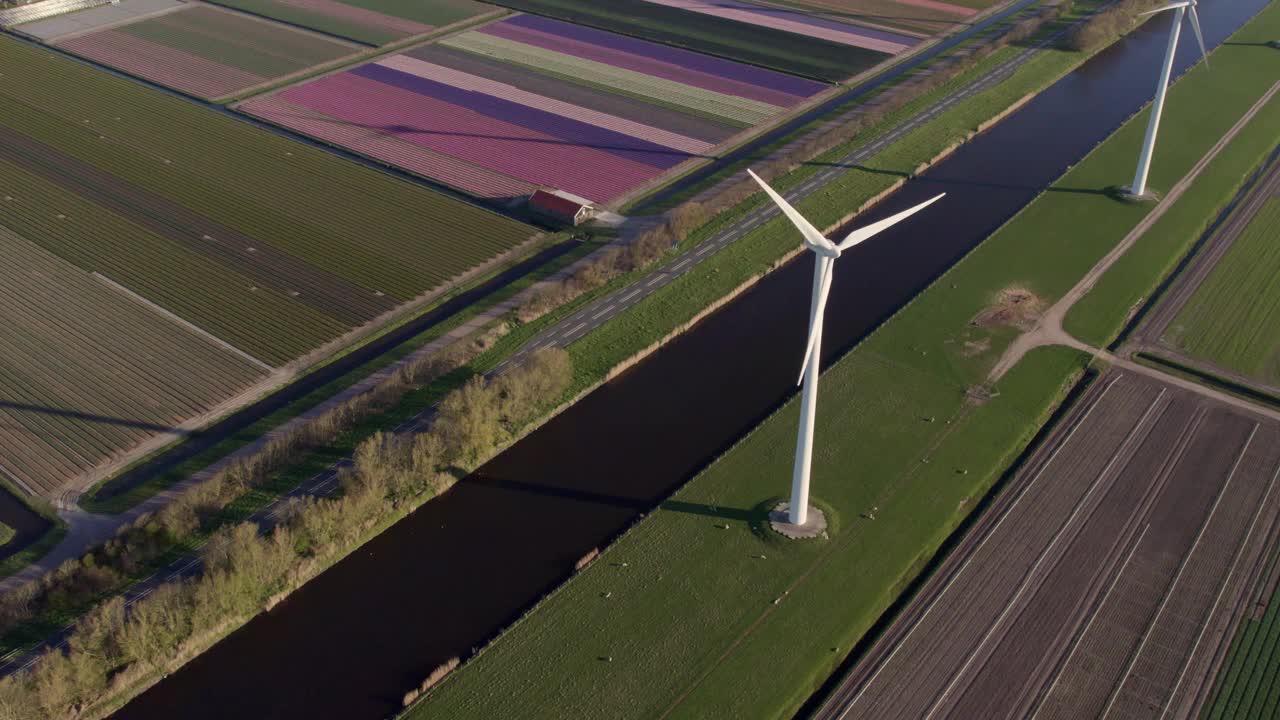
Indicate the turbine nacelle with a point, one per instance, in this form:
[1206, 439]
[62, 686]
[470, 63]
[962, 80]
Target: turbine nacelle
[827, 252]
[1190, 7]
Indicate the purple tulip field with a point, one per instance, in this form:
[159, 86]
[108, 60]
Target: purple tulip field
[534, 102]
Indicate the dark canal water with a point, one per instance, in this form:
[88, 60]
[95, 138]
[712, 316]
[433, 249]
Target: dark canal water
[27, 524]
[447, 578]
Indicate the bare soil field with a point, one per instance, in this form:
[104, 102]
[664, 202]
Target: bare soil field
[1102, 583]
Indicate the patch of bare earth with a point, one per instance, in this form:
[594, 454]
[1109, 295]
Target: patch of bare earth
[1014, 306]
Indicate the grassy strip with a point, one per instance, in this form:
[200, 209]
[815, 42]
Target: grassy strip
[1205, 377]
[1101, 315]
[1243, 288]
[680, 599]
[33, 552]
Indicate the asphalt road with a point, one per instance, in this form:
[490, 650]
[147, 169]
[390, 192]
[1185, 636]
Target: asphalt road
[600, 311]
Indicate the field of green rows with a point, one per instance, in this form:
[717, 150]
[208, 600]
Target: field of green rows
[809, 56]
[1247, 684]
[268, 245]
[1233, 319]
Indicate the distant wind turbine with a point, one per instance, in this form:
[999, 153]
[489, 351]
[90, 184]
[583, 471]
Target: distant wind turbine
[1139, 188]
[825, 253]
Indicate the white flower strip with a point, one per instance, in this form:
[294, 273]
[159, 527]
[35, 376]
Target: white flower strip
[475, 83]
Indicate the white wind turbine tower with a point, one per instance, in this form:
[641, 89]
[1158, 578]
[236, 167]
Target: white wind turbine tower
[1139, 188]
[825, 253]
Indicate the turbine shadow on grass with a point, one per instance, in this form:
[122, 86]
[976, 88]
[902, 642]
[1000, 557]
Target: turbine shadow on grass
[711, 511]
[90, 417]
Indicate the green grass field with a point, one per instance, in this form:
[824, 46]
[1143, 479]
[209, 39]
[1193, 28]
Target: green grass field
[1233, 319]
[373, 22]
[1247, 686]
[691, 626]
[785, 51]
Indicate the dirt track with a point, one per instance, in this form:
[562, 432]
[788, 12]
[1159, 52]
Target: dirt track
[1104, 578]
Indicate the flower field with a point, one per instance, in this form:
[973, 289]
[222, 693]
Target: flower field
[780, 38]
[374, 22]
[532, 101]
[795, 22]
[911, 16]
[85, 371]
[266, 244]
[206, 51]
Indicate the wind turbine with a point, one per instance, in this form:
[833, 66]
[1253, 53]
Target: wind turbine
[1139, 188]
[825, 253]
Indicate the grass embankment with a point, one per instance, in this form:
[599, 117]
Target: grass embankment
[1247, 686]
[683, 619]
[1233, 319]
[1131, 281]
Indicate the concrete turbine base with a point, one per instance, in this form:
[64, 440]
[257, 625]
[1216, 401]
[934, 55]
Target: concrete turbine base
[1126, 195]
[815, 527]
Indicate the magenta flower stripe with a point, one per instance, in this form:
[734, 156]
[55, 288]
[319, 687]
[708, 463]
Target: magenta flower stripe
[451, 130]
[474, 83]
[383, 146]
[647, 65]
[530, 102]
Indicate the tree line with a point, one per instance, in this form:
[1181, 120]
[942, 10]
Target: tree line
[114, 649]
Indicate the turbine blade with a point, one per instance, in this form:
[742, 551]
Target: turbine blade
[1195, 25]
[812, 237]
[815, 312]
[1170, 6]
[875, 228]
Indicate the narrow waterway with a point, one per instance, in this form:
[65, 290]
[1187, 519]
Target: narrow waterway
[446, 579]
